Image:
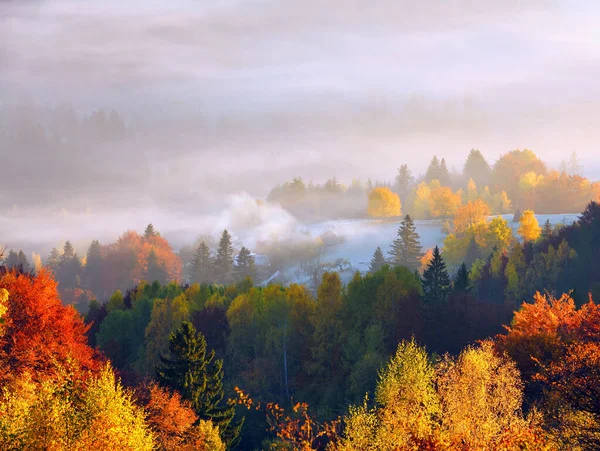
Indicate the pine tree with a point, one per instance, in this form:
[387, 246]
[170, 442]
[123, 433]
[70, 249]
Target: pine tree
[69, 267]
[547, 229]
[472, 253]
[150, 231]
[93, 268]
[53, 260]
[198, 377]
[403, 182]
[224, 259]
[12, 260]
[378, 261]
[477, 168]
[433, 170]
[68, 253]
[17, 260]
[461, 281]
[443, 173]
[245, 265]
[436, 282]
[406, 249]
[202, 268]
[155, 272]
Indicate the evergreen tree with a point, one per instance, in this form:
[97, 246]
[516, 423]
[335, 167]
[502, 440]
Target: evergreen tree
[472, 252]
[477, 168]
[547, 229]
[23, 262]
[443, 173]
[69, 267]
[53, 260]
[436, 282]
[198, 377]
[68, 253]
[433, 170]
[406, 249]
[150, 231]
[245, 265]
[201, 270]
[461, 281]
[12, 260]
[155, 271]
[377, 261]
[404, 181]
[224, 259]
[93, 268]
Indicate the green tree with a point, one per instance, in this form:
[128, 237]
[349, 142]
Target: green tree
[433, 170]
[477, 168]
[224, 259]
[53, 260]
[406, 249]
[201, 270]
[93, 268]
[198, 376]
[547, 229]
[377, 261]
[155, 271]
[150, 231]
[403, 182]
[245, 265]
[461, 281]
[436, 282]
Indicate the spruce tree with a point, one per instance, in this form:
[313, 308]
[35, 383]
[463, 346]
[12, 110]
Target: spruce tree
[436, 282]
[403, 182]
[547, 229]
[477, 168]
[150, 231]
[245, 265]
[406, 249]
[202, 269]
[12, 260]
[69, 267]
[433, 170]
[224, 259]
[472, 253]
[198, 377]
[53, 260]
[443, 173]
[378, 261]
[155, 271]
[462, 284]
[93, 268]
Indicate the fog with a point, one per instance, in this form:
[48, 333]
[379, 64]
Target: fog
[229, 97]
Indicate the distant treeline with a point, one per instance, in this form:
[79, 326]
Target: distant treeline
[518, 180]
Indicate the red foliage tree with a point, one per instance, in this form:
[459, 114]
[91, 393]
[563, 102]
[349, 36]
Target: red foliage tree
[126, 261]
[39, 334]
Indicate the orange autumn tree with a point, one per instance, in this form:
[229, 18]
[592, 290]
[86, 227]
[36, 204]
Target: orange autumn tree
[175, 424]
[557, 349]
[39, 334]
[127, 260]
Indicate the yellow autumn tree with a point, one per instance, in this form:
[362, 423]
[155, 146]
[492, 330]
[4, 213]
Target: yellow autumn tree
[444, 202]
[422, 203]
[472, 194]
[529, 229]
[470, 215]
[63, 414]
[383, 203]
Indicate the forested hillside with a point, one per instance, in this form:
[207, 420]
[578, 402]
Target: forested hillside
[413, 355]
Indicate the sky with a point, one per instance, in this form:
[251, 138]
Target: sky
[233, 96]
